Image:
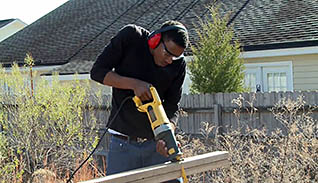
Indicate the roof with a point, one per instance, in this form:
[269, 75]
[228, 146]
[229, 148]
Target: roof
[5, 22]
[270, 24]
[72, 67]
[77, 31]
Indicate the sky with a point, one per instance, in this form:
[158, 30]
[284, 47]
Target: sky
[27, 11]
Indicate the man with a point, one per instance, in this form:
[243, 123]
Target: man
[132, 62]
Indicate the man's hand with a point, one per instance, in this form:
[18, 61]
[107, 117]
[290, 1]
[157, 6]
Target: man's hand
[142, 90]
[161, 148]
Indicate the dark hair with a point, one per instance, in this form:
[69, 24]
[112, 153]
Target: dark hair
[179, 36]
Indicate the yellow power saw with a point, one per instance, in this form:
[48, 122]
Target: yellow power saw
[160, 124]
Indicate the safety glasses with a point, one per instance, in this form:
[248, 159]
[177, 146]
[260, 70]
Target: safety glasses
[169, 54]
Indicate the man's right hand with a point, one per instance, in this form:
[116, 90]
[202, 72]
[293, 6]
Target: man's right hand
[142, 90]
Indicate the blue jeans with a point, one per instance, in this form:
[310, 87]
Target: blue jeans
[124, 155]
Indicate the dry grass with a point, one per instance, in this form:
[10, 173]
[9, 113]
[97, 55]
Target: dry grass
[259, 155]
[255, 155]
[50, 174]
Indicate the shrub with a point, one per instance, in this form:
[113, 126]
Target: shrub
[42, 125]
[216, 65]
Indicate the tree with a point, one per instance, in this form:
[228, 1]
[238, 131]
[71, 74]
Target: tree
[216, 65]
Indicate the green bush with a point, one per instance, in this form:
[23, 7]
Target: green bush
[216, 65]
[43, 124]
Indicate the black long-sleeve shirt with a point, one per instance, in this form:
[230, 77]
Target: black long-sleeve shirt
[129, 55]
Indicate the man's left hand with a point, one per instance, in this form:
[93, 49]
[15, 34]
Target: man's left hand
[161, 148]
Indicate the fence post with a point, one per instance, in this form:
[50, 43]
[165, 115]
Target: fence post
[218, 116]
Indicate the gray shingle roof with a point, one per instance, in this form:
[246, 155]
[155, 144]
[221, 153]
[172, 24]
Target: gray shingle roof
[72, 67]
[277, 21]
[78, 30]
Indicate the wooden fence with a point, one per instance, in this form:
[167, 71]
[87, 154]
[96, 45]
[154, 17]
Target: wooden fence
[255, 111]
[218, 110]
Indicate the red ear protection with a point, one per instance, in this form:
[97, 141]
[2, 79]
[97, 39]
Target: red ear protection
[155, 37]
[154, 41]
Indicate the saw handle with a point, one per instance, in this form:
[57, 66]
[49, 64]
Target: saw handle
[155, 97]
[137, 101]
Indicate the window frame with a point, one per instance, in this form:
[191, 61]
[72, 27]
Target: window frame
[263, 68]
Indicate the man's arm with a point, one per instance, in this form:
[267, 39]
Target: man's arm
[171, 105]
[111, 57]
[173, 95]
[140, 88]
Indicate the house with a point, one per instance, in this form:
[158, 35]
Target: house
[279, 37]
[9, 27]
[280, 44]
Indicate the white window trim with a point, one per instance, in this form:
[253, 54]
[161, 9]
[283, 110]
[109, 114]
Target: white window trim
[34, 68]
[288, 64]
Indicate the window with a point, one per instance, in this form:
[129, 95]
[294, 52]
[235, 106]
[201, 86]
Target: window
[252, 78]
[268, 77]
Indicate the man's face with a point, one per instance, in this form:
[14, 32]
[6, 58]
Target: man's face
[167, 52]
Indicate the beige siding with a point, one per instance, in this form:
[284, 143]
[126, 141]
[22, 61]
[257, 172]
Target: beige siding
[305, 69]
[66, 79]
[11, 28]
[305, 74]
[96, 87]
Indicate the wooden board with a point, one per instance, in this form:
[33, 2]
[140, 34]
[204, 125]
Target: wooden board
[168, 171]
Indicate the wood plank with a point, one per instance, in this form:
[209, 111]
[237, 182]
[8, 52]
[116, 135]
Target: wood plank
[202, 100]
[219, 99]
[196, 100]
[209, 100]
[168, 171]
[183, 100]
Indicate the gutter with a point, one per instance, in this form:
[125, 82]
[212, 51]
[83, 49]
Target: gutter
[280, 52]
